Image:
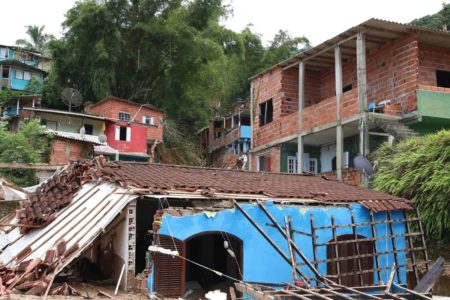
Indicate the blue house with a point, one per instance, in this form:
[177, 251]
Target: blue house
[18, 66]
[182, 231]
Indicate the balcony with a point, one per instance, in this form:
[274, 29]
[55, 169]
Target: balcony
[236, 133]
[324, 112]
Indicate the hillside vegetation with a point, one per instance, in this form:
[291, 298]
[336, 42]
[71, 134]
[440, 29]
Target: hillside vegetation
[419, 169]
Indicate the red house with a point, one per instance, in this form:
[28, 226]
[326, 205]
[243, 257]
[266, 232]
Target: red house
[129, 127]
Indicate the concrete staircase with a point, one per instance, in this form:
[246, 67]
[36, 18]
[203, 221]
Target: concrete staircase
[392, 125]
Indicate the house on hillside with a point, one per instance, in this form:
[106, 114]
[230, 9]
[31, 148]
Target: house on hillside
[123, 134]
[208, 228]
[18, 66]
[130, 127]
[376, 82]
[227, 136]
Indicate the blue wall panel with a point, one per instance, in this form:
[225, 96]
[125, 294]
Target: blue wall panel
[261, 263]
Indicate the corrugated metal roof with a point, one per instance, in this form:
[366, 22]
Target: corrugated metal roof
[11, 192]
[93, 139]
[105, 149]
[63, 112]
[377, 32]
[92, 209]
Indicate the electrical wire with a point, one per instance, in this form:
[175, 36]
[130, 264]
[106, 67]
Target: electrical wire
[231, 248]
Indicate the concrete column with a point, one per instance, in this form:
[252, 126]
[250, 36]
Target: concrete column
[339, 129]
[362, 94]
[301, 93]
[252, 124]
[301, 101]
[300, 154]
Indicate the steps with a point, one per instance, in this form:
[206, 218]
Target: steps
[393, 126]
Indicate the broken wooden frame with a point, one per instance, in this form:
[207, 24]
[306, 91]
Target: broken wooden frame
[327, 288]
[412, 247]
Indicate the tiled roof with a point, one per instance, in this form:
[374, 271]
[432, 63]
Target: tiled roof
[276, 185]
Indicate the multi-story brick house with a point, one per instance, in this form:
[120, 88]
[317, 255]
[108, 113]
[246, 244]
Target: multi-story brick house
[117, 128]
[372, 83]
[18, 66]
[129, 127]
[228, 135]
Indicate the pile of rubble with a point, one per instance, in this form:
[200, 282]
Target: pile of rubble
[35, 277]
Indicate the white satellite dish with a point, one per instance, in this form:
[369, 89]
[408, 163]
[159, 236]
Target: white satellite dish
[102, 138]
[363, 165]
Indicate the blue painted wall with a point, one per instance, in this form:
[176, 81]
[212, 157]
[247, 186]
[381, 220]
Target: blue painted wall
[261, 263]
[246, 131]
[21, 84]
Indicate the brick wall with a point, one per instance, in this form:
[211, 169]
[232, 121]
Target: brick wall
[275, 155]
[350, 176]
[111, 107]
[65, 150]
[432, 58]
[392, 73]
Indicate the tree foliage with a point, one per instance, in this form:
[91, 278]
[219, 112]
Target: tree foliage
[28, 146]
[36, 40]
[173, 54]
[437, 21]
[419, 169]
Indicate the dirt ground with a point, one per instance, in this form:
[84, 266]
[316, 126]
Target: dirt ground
[82, 288]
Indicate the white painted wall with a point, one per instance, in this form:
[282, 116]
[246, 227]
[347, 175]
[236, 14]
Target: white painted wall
[327, 153]
[72, 123]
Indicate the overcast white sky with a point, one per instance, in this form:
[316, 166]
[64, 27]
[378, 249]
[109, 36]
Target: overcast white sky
[318, 20]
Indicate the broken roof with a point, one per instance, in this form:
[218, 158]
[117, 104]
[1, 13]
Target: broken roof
[273, 185]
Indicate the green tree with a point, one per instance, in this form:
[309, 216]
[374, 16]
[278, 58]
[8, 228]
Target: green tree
[30, 145]
[419, 169]
[35, 85]
[438, 21]
[36, 40]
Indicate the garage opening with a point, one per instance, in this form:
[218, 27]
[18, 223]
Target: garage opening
[219, 251]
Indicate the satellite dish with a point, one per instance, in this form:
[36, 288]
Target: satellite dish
[71, 97]
[363, 165]
[102, 138]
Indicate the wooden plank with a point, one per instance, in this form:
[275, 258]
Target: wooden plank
[314, 241]
[29, 166]
[412, 254]
[391, 279]
[289, 240]
[358, 254]
[383, 237]
[375, 246]
[422, 236]
[394, 247]
[336, 249]
[369, 223]
[429, 279]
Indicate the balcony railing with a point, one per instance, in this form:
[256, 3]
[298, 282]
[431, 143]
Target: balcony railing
[243, 131]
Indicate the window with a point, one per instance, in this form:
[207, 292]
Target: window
[5, 73]
[263, 163]
[19, 74]
[124, 116]
[292, 164]
[3, 52]
[26, 75]
[312, 165]
[265, 113]
[123, 133]
[149, 120]
[88, 129]
[347, 88]
[443, 78]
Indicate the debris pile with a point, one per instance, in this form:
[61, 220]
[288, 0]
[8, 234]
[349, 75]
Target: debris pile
[35, 276]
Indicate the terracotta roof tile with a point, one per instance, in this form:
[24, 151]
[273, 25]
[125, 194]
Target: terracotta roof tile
[277, 185]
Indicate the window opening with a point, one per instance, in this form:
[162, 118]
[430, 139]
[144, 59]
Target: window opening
[347, 88]
[292, 164]
[88, 129]
[124, 116]
[265, 112]
[443, 78]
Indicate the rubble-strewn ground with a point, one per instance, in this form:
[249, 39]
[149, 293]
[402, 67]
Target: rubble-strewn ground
[82, 288]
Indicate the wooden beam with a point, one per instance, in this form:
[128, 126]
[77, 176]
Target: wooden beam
[29, 166]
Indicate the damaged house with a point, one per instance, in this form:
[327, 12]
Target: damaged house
[210, 229]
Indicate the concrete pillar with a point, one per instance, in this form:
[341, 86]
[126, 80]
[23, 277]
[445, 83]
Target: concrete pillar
[339, 129]
[252, 124]
[301, 101]
[300, 154]
[362, 94]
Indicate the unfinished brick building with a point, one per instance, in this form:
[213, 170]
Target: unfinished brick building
[376, 82]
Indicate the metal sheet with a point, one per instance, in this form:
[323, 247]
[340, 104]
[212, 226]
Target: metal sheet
[93, 208]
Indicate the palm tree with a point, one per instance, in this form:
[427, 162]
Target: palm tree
[37, 40]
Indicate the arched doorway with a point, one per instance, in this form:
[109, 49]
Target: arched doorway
[346, 262]
[218, 251]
